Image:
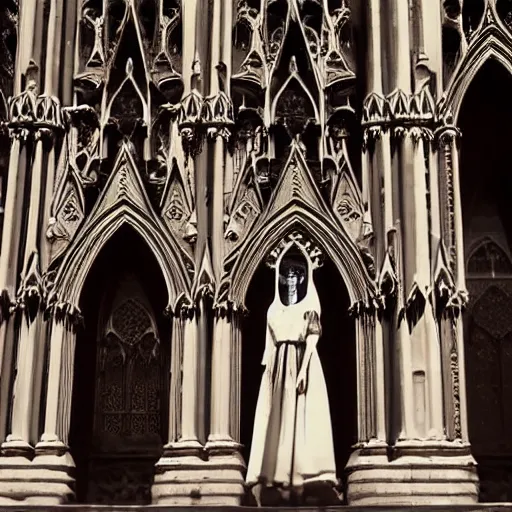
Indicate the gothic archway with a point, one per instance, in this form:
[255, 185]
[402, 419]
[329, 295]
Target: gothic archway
[119, 416]
[336, 348]
[486, 188]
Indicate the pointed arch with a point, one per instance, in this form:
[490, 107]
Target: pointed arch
[81, 256]
[487, 254]
[322, 231]
[123, 201]
[294, 78]
[492, 43]
[125, 87]
[120, 399]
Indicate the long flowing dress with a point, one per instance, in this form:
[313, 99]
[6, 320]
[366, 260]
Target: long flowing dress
[292, 441]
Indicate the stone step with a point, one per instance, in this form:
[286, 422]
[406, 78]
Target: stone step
[479, 507]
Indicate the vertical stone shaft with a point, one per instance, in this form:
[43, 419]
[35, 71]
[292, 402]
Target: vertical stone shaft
[51, 89]
[30, 328]
[188, 16]
[14, 212]
[60, 381]
[460, 282]
[430, 19]
[378, 160]
[419, 354]
[222, 357]
[426, 359]
[202, 167]
[189, 415]
[399, 83]
[188, 432]
[399, 66]
[9, 257]
[30, 357]
[175, 403]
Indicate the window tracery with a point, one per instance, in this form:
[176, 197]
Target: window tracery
[129, 374]
[489, 259]
[130, 380]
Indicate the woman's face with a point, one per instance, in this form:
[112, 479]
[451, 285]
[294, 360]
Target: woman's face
[292, 280]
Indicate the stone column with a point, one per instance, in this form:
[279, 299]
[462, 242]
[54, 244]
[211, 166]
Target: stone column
[189, 439]
[14, 213]
[221, 392]
[226, 482]
[189, 473]
[59, 390]
[52, 451]
[452, 326]
[19, 441]
[372, 413]
[45, 114]
[461, 296]
[178, 472]
[370, 454]
[424, 365]
[176, 380]
[8, 265]
[425, 467]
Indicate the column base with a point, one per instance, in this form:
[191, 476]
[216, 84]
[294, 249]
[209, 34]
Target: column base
[412, 473]
[17, 448]
[45, 480]
[212, 478]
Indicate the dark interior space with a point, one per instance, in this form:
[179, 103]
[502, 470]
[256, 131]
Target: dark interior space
[336, 348]
[115, 463]
[486, 188]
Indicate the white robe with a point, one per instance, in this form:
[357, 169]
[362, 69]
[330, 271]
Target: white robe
[292, 441]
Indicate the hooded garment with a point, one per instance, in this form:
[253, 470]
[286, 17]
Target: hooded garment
[292, 440]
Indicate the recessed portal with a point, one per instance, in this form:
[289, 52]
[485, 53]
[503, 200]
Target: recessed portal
[486, 189]
[120, 394]
[336, 348]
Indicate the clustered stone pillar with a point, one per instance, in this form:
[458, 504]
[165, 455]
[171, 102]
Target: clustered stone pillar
[430, 461]
[200, 468]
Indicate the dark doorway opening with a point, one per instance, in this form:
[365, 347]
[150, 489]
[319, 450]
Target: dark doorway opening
[336, 348]
[486, 189]
[119, 417]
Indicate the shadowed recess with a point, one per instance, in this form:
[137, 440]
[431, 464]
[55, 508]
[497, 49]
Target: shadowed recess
[486, 188]
[119, 419]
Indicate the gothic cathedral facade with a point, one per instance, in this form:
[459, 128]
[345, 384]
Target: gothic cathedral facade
[158, 159]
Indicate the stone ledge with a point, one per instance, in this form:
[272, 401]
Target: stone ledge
[479, 507]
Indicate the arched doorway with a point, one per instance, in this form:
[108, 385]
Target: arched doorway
[119, 416]
[486, 188]
[336, 348]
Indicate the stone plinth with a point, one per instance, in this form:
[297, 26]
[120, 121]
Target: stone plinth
[47, 479]
[440, 473]
[210, 478]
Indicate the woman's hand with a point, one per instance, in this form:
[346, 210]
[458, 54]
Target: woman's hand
[301, 382]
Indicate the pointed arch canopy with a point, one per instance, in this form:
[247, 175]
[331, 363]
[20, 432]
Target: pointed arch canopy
[123, 202]
[296, 204]
[492, 43]
[330, 237]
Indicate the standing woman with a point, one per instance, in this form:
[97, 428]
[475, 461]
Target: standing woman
[292, 444]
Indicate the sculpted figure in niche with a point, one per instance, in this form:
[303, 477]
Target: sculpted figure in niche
[292, 452]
